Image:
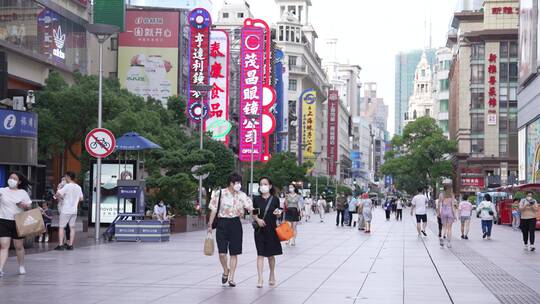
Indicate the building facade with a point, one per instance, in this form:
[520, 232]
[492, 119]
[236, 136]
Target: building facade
[483, 95]
[421, 102]
[405, 68]
[529, 94]
[373, 108]
[442, 85]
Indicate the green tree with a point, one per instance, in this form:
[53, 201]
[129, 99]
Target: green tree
[281, 169]
[419, 158]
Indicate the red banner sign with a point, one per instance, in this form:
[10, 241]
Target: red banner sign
[472, 182]
[333, 108]
[152, 29]
[251, 92]
[492, 93]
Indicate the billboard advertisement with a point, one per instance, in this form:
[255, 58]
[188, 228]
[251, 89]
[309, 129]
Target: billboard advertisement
[148, 54]
[280, 114]
[251, 90]
[533, 152]
[333, 108]
[527, 43]
[218, 113]
[308, 115]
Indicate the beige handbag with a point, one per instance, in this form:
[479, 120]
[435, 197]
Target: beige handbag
[209, 245]
[29, 223]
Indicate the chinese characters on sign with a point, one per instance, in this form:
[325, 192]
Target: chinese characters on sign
[507, 10]
[199, 21]
[251, 90]
[477, 182]
[308, 100]
[333, 106]
[219, 80]
[492, 92]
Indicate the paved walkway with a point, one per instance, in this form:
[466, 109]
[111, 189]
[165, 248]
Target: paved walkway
[329, 265]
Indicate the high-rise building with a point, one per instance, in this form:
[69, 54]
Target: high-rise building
[483, 95]
[421, 101]
[441, 84]
[405, 67]
[373, 108]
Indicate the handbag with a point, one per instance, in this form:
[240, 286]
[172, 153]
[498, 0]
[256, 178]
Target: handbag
[285, 231]
[254, 223]
[29, 223]
[209, 245]
[214, 223]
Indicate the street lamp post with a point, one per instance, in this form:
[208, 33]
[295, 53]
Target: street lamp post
[203, 89]
[102, 32]
[253, 118]
[317, 154]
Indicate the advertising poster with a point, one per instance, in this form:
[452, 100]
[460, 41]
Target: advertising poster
[533, 152]
[148, 54]
[251, 86]
[218, 103]
[527, 45]
[307, 129]
[333, 106]
[280, 114]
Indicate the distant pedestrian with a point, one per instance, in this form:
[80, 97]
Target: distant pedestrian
[308, 204]
[419, 209]
[516, 214]
[360, 210]
[465, 213]
[439, 221]
[321, 206]
[528, 208]
[14, 199]
[266, 240]
[347, 215]
[340, 207]
[447, 209]
[160, 211]
[47, 215]
[353, 204]
[293, 204]
[367, 206]
[486, 212]
[282, 207]
[232, 203]
[71, 195]
[399, 209]
[387, 208]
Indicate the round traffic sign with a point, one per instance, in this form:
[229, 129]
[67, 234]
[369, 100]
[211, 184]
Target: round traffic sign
[194, 170]
[100, 143]
[197, 112]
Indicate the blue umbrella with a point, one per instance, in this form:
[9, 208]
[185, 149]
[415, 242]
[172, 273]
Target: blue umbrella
[132, 141]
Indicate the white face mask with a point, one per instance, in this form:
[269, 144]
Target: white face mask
[12, 183]
[291, 190]
[237, 187]
[264, 189]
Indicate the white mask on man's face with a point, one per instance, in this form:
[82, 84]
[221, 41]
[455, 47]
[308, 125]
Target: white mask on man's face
[12, 183]
[291, 190]
[264, 189]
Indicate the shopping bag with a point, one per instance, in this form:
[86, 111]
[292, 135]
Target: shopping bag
[29, 223]
[209, 245]
[285, 231]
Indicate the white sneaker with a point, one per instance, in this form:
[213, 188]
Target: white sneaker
[22, 270]
[40, 240]
[449, 245]
[526, 247]
[47, 238]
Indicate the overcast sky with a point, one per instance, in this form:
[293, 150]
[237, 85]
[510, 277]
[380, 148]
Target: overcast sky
[370, 33]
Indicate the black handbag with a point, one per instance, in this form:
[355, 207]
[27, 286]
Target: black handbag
[214, 223]
[254, 223]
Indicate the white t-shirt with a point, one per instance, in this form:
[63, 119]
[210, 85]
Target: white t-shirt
[72, 195]
[9, 200]
[160, 210]
[419, 201]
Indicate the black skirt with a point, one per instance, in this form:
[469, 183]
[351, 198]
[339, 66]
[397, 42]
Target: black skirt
[266, 239]
[292, 215]
[9, 229]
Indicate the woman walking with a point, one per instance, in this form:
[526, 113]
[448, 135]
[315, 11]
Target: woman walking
[465, 212]
[367, 206]
[266, 239]
[293, 205]
[14, 199]
[516, 215]
[486, 212]
[528, 208]
[447, 210]
[228, 205]
[321, 205]
[308, 203]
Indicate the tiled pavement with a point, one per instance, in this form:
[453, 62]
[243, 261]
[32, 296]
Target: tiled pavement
[329, 265]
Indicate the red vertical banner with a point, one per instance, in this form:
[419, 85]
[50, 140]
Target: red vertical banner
[251, 92]
[199, 24]
[218, 116]
[333, 107]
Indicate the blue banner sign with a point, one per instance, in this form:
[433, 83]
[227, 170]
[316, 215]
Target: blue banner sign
[18, 124]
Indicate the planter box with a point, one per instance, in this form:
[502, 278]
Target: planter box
[126, 231]
[143, 231]
[188, 223]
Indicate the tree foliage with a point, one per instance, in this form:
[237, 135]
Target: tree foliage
[282, 169]
[419, 158]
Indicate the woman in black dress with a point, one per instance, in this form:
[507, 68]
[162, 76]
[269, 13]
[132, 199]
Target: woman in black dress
[266, 239]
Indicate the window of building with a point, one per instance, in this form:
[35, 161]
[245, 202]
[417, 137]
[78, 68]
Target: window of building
[503, 98]
[512, 97]
[503, 146]
[114, 43]
[240, 15]
[503, 123]
[293, 34]
[477, 145]
[443, 85]
[477, 73]
[443, 105]
[477, 123]
[406, 115]
[414, 114]
[503, 72]
[512, 123]
[428, 112]
[477, 52]
[513, 72]
[503, 52]
[298, 35]
[443, 124]
[287, 33]
[477, 99]
[225, 15]
[292, 61]
[514, 49]
[423, 73]
[293, 84]
[281, 30]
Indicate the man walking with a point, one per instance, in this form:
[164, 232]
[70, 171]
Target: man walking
[353, 203]
[340, 207]
[419, 206]
[71, 194]
[399, 209]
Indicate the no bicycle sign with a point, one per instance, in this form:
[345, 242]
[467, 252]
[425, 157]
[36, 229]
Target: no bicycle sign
[100, 143]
